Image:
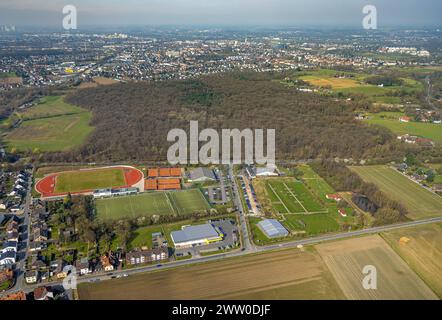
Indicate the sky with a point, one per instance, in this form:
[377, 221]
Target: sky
[339, 13]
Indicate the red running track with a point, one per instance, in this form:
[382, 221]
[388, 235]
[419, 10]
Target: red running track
[46, 185]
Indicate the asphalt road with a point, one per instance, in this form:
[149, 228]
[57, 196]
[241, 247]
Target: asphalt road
[238, 253]
[23, 253]
[247, 244]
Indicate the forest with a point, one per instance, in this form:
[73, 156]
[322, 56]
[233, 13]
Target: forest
[132, 119]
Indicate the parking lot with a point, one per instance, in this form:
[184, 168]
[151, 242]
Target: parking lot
[231, 237]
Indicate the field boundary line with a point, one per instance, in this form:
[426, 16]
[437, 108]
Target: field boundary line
[309, 212]
[132, 208]
[306, 211]
[274, 192]
[204, 199]
[169, 201]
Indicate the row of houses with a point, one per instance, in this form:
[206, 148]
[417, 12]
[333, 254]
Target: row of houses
[8, 253]
[13, 189]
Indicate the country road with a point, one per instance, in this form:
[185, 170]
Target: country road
[239, 253]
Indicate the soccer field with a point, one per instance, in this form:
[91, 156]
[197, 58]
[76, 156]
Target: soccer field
[149, 204]
[420, 202]
[290, 196]
[75, 181]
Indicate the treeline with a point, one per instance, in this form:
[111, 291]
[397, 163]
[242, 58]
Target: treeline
[10, 100]
[385, 80]
[368, 196]
[132, 119]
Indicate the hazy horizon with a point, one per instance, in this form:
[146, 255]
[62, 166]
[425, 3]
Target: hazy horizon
[265, 13]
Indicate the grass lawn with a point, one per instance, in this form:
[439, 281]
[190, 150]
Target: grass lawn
[291, 196]
[52, 125]
[391, 121]
[4, 75]
[74, 181]
[312, 224]
[148, 204]
[142, 237]
[50, 106]
[420, 202]
[186, 202]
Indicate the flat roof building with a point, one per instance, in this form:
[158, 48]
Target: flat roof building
[272, 228]
[191, 236]
[202, 174]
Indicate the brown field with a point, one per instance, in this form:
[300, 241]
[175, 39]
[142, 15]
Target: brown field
[422, 252]
[11, 80]
[334, 83]
[97, 81]
[288, 274]
[395, 280]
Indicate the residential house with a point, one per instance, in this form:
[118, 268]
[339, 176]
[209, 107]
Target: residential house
[404, 119]
[8, 258]
[145, 256]
[35, 246]
[21, 295]
[12, 236]
[59, 271]
[437, 187]
[106, 263]
[9, 246]
[31, 276]
[12, 226]
[82, 266]
[38, 264]
[42, 293]
[335, 197]
[40, 232]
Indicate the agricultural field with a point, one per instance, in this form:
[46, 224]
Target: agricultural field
[420, 202]
[148, 204]
[79, 180]
[288, 274]
[52, 125]
[354, 83]
[421, 248]
[10, 78]
[395, 280]
[390, 120]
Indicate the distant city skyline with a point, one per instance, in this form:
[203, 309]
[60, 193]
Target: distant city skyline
[339, 13]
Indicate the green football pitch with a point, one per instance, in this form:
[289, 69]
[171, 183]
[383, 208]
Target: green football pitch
[75, 181]
[289, 196]
[148, 204]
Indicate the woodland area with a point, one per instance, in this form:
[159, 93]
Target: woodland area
[367, 196]
[132, 119]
